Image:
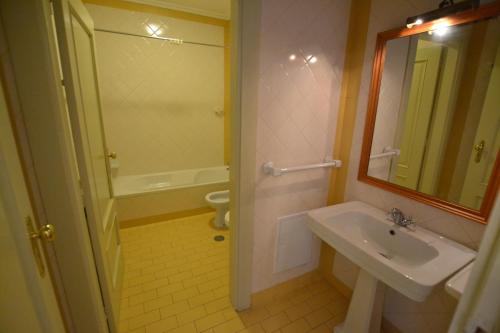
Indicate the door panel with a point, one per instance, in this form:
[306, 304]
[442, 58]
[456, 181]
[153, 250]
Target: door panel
[417, 117]
[92, 121]
[488, 131]
[76, 42]
[27, 301]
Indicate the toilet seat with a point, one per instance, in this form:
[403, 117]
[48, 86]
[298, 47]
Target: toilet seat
[220, 201]
[220, 197]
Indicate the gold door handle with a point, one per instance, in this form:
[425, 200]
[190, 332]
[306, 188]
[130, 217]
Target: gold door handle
[46, 233]
[112, 155]
[479, 148]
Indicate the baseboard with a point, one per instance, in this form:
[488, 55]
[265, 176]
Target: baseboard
[164, 217]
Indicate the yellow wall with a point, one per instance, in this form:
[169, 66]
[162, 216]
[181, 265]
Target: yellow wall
[351, 81]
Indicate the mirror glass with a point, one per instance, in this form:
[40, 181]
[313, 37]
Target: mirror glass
[438, 113]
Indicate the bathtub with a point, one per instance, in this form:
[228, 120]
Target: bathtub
[161, 194]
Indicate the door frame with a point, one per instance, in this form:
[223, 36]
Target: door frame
[245, 29]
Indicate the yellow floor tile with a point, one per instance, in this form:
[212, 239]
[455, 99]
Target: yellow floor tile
[143, 319]
[177, 281]
[275, 322]
[298, 311]
[185, 294]
[162, 325]
[298, 326]
[142, 297]
[217, 305]
[174, 309]
[210, 321]
[155, 284]
[210, 285]
[254, 316]
[201, 299]
[279, 306]
[170, 289]
[253, 329]
[231, 326]
[322, 329]
[188, 328]
[318, 317]
[191, 315]
[157, 303]
[131, 311]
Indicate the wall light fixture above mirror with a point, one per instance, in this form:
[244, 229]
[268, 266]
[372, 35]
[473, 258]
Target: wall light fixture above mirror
[432, 131]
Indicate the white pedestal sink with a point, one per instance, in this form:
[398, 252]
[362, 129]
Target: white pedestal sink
[411, 262]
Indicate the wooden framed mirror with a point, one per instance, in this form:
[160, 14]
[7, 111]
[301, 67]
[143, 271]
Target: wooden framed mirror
[432, 130]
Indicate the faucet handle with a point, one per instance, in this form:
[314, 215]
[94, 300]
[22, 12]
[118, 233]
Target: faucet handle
[410, 223]
[394, 215]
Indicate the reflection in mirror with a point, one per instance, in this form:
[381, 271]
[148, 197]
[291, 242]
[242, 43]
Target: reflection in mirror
[438, 114]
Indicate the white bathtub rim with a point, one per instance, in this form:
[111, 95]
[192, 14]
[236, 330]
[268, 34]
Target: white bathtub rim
[164, 189]
[145, 191]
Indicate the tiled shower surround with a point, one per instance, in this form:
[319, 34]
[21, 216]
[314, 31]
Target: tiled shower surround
[163, 103]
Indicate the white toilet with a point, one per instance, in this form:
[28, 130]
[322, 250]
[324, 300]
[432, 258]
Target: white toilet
[220, 201]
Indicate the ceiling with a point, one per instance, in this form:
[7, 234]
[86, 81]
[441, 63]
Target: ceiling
[213, 8]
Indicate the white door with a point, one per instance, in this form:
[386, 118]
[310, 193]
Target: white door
[418, 115]
[27, 299]
[486, 144]
[77, 50]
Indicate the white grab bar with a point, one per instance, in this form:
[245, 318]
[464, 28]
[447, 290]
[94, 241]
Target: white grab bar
[270, 169]
[386, 152]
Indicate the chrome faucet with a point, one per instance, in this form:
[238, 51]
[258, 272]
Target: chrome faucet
[396, 215]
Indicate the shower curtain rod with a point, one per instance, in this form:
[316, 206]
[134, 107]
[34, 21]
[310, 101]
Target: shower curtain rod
[172, 40]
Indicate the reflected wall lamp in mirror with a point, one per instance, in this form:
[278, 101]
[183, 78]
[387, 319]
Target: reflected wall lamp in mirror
[446, 8]
[432, 130]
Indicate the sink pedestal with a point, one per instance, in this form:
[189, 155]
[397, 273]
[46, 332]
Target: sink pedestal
[365, 310]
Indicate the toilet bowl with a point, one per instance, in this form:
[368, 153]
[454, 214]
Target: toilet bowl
[226, 219]
[220, 201]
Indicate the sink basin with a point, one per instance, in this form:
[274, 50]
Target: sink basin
[411, 262]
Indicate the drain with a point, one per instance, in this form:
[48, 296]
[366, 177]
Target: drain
[219, 238]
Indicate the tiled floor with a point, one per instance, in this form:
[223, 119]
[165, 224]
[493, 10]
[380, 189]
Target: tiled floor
[176, 280]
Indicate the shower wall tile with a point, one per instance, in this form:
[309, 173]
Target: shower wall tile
[434, 314]
[297, 113]
[160, 99]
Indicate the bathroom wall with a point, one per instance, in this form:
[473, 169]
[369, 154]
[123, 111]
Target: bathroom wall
[389, 106]
[297, 112]
[163, 104]
[407, 316]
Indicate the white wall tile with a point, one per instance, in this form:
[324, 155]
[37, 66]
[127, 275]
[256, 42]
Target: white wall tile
[159, 98]
[298, 104]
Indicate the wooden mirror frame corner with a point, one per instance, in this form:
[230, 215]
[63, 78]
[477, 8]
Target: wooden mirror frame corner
[484, 12]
